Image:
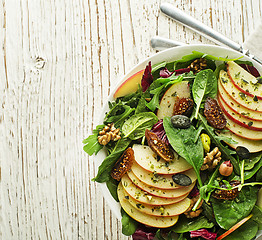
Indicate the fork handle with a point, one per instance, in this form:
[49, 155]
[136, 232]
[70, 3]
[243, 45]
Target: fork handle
[160, 43]
[198, 26]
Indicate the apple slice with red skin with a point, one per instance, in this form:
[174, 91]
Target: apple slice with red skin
[159, 180]
[152, 221]
[144, 197]
[242, 131]
[236, 107]
[160, 211]
[241, 98]
[170, 97]
[252, 145]
[130, 85]
[238, 118]
[149, 160]
[243, 80]
[164, 193]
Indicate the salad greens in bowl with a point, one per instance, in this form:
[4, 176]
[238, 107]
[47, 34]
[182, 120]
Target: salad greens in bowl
[178, 147]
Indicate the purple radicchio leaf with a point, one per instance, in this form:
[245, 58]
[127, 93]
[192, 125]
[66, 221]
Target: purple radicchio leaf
[147, 78]
[194, 192]
[159, 130]
[182, 70]
[165, 73]
[204, 234]
[141, 234]
[251, 69]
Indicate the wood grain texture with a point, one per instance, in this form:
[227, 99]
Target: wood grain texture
[59, 61]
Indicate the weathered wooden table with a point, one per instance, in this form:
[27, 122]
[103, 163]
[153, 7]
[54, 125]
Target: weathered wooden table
[59, 61]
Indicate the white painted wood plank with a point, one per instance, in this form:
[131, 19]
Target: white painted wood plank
[59, 61]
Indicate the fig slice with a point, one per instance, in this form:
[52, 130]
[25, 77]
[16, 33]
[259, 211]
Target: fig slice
[184, 106]
[214, 114]
[123, 164]
[159, 146]
[227, 194]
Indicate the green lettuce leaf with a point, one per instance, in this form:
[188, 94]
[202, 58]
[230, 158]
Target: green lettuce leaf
[105, 168]
[92, 145]
[135, 127]
[182, 140]
[229, 212]
[205, 85]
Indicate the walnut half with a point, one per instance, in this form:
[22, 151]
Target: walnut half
[108, 133]
[212, 159]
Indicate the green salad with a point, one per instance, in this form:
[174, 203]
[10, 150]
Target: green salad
[183, 141]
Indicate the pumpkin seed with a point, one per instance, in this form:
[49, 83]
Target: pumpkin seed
[242, 152]
[180, 121]
[182, 179]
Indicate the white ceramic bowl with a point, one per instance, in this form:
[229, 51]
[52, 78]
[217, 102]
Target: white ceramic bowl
[166, 55]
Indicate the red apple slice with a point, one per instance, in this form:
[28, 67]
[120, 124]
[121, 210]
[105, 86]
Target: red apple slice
[243, 80]
[164, 211]
[164, 193]
[150, 161]
[152, 221]
[176, 91]
[159, 180]
[144, 197]
[242, 131]
[251, 145]
[238, 118]
[130, 85]
[241, 98]
[234, 106]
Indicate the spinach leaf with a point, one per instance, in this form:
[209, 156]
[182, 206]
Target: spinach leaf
[257, 216]
[188, 224]
[154, 103]
[219, 68]
[217, 141]
[112, 187]
[205, 85]
[131, 99]
[156, 84]
[135, 127]
[104, 169]
[187, 59]
[91, 143]
[229, 212]
[182, 140]
[208, 212]
[245, 232]
[259, 175]
[141, 106]
[254, 158]
[129, 225]
[249, 174]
